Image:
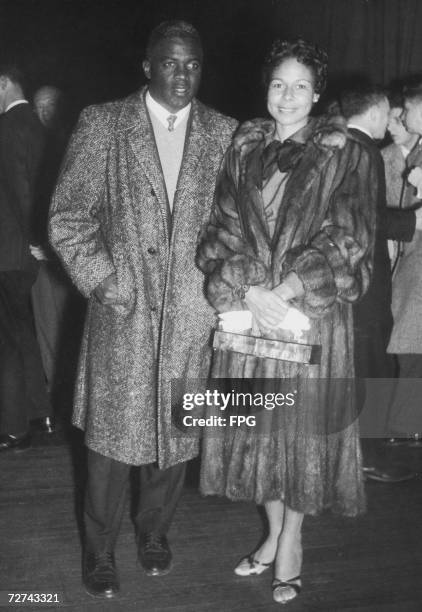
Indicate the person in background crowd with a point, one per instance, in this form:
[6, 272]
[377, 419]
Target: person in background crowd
[366, 109]
[49, 105]
[137, 185]
[52, 292]
[406, 337]
[281, 234]
[48, 101]
[394, 156]
[23, 392]
[396, 153]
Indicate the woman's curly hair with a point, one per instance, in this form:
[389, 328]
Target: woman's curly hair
[304, 52]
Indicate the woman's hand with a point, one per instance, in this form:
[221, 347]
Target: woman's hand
[268, 308]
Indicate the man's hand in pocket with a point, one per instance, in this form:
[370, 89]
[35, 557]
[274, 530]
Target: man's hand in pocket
[106, 292]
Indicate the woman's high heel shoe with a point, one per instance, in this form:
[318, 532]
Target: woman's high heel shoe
[249, 566]
[279, 588]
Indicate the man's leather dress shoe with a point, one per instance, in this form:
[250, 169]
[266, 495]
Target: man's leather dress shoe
[44, 425]
[100, 575]
[18, 443]
[391, 474]
[154, 554]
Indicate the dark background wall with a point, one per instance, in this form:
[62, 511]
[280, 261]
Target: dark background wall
[93, 48]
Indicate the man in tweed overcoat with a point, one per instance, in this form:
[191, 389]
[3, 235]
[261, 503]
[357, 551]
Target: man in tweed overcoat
[136, 186]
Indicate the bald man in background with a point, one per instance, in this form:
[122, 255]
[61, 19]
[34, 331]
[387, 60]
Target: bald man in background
[53, 300]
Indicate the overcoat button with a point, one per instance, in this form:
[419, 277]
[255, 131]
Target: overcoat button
[153, 308]
[152, 251]
[152, 192]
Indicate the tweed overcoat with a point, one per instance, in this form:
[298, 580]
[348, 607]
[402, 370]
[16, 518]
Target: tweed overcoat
[110, 214]
[324, 232]
[406, 336]
[395, 166]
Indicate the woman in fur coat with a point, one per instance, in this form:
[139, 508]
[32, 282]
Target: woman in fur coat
[292, 225]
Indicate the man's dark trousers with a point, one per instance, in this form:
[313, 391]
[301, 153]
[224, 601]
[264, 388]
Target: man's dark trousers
[106, 494]
[23, 393]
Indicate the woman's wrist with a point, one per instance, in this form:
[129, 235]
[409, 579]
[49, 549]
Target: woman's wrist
[290, 288]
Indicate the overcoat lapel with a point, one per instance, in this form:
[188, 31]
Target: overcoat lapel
[135, 119]
[195, 146]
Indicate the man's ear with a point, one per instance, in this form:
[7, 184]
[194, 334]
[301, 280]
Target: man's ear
[315, 98]
[373, 113]
[146, 65]
[3, 81]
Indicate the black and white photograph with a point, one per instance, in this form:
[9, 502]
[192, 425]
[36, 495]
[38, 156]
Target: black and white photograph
[211, 305]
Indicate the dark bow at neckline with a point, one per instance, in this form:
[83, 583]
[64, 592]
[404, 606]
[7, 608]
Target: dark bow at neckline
[283, 156]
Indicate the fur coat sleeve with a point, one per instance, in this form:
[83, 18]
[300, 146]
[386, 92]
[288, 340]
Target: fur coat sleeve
[327, 234]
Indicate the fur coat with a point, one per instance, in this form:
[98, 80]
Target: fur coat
[110, 214]
[325, 234]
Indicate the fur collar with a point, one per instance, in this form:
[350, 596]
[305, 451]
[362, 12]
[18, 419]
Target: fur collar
[326, 131]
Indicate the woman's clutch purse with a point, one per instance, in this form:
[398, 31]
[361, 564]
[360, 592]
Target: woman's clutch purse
[234, 333]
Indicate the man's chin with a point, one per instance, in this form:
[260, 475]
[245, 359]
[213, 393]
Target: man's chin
[179, 102]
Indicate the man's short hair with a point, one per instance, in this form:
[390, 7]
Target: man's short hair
[413, 90]
[14, 72]
[395, 97]
[358, 99]
[170, 29]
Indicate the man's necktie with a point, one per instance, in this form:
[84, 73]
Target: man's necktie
[171, 121]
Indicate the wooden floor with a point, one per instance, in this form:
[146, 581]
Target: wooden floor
[370, 563]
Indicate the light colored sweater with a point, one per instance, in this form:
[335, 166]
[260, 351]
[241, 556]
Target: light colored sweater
[170, 147]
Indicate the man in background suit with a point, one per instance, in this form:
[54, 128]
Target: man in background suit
[366, 109]
[58, 307]
[137, 186]
[23, 393]
[406, 338]
[395, 157]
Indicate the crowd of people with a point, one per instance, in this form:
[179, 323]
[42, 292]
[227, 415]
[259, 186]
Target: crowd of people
[164, 213]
